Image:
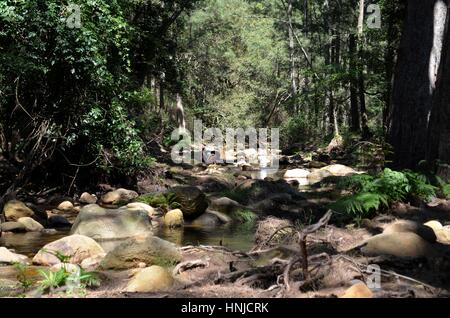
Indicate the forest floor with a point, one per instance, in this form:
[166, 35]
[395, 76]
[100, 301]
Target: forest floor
[337, 265]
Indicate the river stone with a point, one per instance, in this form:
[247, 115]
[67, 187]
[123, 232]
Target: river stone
[192, 200]
[423, 231]
[87, 198]
[150, 279]
[359, 290]
[339, 170]
[443, 235]
[30, 224]
[224, 205]
[296, 173]
[58, 221]
[400, 244]
[174, 218]
[65, 206]
[10, 288]
[141, 206]
[207, 220]
[99, 223]
[78, 247]
[435, 225]
[150, 250]
[15, 210]
[119, 196]
[14, 227]
[6, 256]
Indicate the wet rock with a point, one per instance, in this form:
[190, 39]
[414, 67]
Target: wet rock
[119, 196]
[222, 217]
[77, 247]
[30, 224]
[151, 279]
[9, 288]
[99, 223]
[224, 205]
[207, 220]
[15, 210]
[192, 201]
[359, 290]
[150, 250]
[87, 198]
[65, 206]
[8, 257]
[14, 227]
[174, 218]
[296, 173]
[401, 244]
[401, 226]
[58, 221]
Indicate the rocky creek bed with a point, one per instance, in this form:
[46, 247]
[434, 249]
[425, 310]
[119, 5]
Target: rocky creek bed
[224, 232]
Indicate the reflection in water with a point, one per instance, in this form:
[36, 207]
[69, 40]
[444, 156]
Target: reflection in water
[29, 243]
[233, 237]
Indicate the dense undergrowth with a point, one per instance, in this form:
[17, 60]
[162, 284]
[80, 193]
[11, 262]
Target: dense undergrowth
[374, 193]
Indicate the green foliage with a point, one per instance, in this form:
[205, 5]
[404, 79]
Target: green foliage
[446, 190]
[22, 275]
[374, 193]
[52, 280]
[244, 216]
[164, 261]
[165, 201]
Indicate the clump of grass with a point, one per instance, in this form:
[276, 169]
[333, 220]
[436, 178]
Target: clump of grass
[165, 201]
[22, 276]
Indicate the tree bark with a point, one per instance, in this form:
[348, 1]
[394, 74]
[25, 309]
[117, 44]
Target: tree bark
[439, 127]
[415, 79]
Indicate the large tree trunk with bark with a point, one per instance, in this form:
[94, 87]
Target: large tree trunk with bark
[414, 80]
[439, 127]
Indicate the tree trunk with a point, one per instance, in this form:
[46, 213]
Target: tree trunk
[354, 111]
[415, 79]
[294, 76]
[439, 127]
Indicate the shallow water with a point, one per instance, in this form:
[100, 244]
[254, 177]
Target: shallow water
[31, 242]
[236, 238]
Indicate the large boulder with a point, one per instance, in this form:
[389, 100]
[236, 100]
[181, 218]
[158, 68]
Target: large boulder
[8, 257]
[173, 218]
[119, 196]
[102, 224]
[75, 247]
[401, 226]
[15, 210]
[150, 250]
[14, 227]
[150, 279]
[254, 191]
[192, 201]
[30, 224]
[400, 244]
